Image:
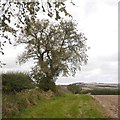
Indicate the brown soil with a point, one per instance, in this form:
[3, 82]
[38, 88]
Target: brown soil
[109, 103]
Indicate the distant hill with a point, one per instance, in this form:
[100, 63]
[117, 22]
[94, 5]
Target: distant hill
[96, 85]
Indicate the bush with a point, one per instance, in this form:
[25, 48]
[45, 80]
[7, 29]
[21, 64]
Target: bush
[85, 91]
[15, 82]
[47, 84]
[75, 89]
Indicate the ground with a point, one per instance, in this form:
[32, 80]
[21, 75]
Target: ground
[109, 103]
[68, 106]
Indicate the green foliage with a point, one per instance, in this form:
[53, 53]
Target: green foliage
[85, 91]
[101, 91]
[15, 82]
[15, 14]
[75, 89]
[105, 91]
[56, 48]
[46, 84]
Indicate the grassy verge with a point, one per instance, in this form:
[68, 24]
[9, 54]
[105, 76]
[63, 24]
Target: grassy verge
[12, 103]
[69, 106]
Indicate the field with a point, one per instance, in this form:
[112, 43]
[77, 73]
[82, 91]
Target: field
[109, 103]
[101, 91]
[69, 106]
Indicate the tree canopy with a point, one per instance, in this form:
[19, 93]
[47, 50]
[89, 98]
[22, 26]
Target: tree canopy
[57, 48]
[15, 14]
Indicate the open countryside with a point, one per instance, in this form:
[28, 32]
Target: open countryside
[43, 44]
[35, 103]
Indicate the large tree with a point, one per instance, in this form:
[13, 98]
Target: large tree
[14, 14]
[57, 48]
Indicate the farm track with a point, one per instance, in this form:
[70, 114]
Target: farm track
[69, 106]
[109, 103]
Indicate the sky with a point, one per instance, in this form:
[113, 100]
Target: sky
[98, 20]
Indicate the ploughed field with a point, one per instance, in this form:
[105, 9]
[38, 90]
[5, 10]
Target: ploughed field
[109, 103]
[68, 106]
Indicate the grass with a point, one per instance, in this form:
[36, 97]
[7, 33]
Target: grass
[12, 103]
[69, 106]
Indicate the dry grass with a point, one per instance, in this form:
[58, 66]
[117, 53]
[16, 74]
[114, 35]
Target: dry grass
[13, 103]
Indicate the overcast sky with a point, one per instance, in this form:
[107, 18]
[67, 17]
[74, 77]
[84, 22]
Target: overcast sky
[98, 20]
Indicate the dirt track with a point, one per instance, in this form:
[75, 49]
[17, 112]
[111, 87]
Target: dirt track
[109, 103]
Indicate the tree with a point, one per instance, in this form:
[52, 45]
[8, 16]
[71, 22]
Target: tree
[46, 84]
[57, 48]
[75, 89]
[15, 14]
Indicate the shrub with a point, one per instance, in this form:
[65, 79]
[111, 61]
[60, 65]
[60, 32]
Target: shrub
[85, 91]
[47, 84]
[15, 82]
[75, 89]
